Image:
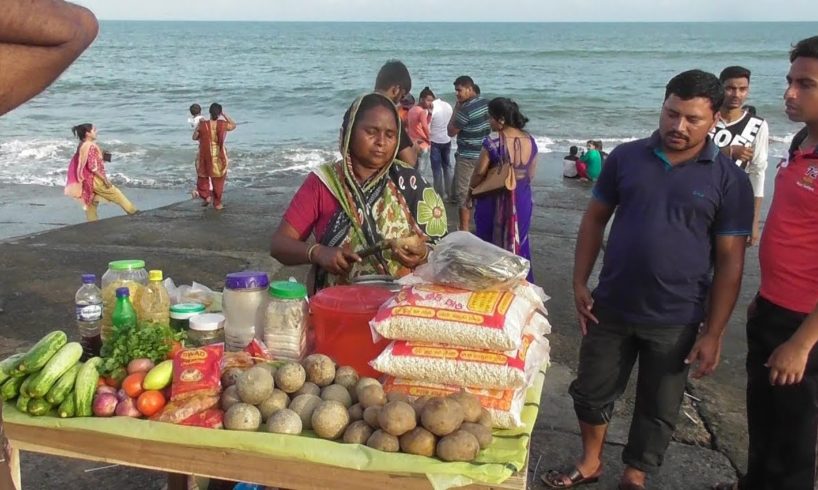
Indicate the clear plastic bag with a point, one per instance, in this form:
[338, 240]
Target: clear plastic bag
[464, 261]
[195, 293]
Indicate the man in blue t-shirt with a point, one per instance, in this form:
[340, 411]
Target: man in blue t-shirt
[673, 263]
[470, 123]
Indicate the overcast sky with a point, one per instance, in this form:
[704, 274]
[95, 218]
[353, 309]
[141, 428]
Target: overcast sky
[456, 10]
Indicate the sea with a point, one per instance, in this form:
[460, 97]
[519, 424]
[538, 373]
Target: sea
[288, 85]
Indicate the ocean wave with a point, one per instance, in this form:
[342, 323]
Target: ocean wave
[45, 161]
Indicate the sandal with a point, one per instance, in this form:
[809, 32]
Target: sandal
[556, 478]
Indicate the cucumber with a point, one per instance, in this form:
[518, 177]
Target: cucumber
[24, 398]
[62, 361]
[64, 386]
[38, 407]
[85, 386]
[67, 408]
[11, 388]
[36, 358]
[9, 365]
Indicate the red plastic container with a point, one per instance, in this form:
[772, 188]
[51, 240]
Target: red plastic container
[340, 318]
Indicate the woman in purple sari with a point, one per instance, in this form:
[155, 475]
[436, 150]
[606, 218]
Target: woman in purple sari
[504, 217]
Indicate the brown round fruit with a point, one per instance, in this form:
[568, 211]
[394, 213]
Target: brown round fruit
[471, 406]
[290, 377]
[371, 396]
[320, 369]
[418, 441]
[481, 432]
[337, 393]
[347, 377]
[358, 432]
[330, 420]
[383, 441]
[304, 406]
[442, 416]
[371, 416]
[397, 418]
[458, 446]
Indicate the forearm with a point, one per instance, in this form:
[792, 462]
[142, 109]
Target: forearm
[589, 242]
[290, 251]
[36, 49]
[757, 210]
[723, 292]
[45, 23]
[807, 334]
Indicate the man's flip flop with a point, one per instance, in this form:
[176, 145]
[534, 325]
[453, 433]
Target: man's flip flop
[556, 479]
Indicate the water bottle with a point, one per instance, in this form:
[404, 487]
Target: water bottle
[124, 316]
[88, 310]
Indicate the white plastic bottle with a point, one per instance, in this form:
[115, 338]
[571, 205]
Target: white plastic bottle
[88, 312]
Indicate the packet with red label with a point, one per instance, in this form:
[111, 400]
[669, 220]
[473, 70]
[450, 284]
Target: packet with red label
[197, 371]
[209, 419]
[258, 350]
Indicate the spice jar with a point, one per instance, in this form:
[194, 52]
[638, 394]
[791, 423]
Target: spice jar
[286, 318]
[244, 296]
[181, 313]
[206, 329]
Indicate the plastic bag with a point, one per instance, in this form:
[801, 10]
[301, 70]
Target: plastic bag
[195, 293]
[492, 320]
[464, 261]
[445, 364]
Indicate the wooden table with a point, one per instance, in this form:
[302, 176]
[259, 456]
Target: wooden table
[222, 464]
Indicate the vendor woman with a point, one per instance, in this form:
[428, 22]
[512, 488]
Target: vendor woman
[358, 203]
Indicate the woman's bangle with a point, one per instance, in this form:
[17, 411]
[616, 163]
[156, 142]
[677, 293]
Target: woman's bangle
[425, 255]
[310, 251]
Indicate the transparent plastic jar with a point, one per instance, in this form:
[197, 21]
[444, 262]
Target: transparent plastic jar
[245, 294]
[206, 329]
[286, 319]
[181, 313]
[129, 274]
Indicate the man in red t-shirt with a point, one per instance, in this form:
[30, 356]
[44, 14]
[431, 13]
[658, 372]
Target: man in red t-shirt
[782, 321]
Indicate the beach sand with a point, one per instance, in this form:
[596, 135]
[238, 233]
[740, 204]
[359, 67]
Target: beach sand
[40, 274]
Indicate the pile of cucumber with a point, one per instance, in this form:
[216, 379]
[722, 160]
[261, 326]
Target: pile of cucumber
[50, 379]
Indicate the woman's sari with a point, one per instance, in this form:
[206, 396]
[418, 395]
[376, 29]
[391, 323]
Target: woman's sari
[504, 217]
[212, 161]
[394, 203]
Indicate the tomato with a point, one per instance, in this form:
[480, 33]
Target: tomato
[101, 382]
[132, 384]
[150, 402]
[175, 346]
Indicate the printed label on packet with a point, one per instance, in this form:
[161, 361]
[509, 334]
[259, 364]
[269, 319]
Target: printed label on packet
[484, 302]
[492, 399]
[402, 348]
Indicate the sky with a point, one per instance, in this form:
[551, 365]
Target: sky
[456, 10]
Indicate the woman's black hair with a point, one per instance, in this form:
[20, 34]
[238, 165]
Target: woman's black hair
[215, 110]
[426, 92]
[81, 130]
[508, 111]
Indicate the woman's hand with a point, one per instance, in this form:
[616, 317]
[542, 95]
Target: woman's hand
[338, 261]
[411, 252]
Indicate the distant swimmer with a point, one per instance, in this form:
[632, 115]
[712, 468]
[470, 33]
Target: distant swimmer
[590, 164]
[743, 136]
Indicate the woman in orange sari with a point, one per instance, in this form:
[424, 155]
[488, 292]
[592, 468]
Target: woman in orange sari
[211, 167]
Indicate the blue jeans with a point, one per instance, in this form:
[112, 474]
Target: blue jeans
[441, 159]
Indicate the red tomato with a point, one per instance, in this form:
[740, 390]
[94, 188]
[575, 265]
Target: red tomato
[150, 402]
[175, 347]
[132, 384]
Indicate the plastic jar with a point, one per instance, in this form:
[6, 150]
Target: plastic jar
[129, 274]
[245, 294]
[286, 319]
[206, 329]
[181, 313]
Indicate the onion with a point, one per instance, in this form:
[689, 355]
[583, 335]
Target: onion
[104, 404]
[106, 389]
[127, 408]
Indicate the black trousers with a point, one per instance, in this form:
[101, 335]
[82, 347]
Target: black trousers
[782, 420]
[606, 358]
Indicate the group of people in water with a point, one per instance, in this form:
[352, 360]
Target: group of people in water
[586, 165]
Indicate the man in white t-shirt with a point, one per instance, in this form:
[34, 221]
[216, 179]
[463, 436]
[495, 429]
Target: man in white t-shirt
[441, 152]
[743, 136]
